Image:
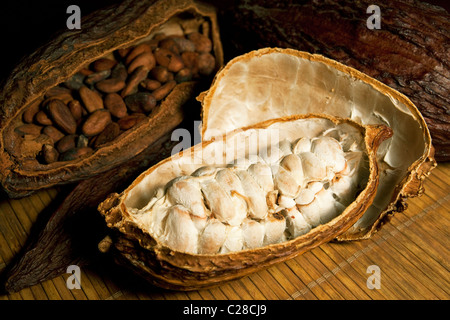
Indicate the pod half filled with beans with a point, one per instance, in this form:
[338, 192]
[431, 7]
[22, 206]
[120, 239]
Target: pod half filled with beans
[113, 94]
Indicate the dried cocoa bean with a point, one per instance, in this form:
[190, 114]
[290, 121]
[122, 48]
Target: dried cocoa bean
[65, 97]
[75, 82]
[132, 85]
[61, 116]
[42, 118]
[169, 44]
[119, 72]
[184, 44]
[153, 44]
[97, 76]
[164, 90]
[28, 129]
[176, 64]
[139, 49]
[49, 154]
[111, 132]
[96, 122]
[159, 36]
[76, 153]
[53, 133]
[30, 111]
[122, 52]
[66, 143]
[130, 121]
[163, 56]
[183, 75]
[85, 71]
[140, 102]
[190, 60]
[110, 85]
[91, 99]
[76, 109]
[103, 64]
[161, 74]
[115, 104]
[206, 64]
[168, 59]
[150, 84]
[57, 91]
[202, 43]
[145, 59]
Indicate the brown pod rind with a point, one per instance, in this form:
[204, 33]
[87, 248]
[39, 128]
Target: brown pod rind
[54, 64]
[76, 153]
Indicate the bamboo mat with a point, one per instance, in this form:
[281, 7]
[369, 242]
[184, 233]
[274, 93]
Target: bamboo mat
[411, 252]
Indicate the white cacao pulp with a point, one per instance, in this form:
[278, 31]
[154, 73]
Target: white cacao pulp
[287, 188]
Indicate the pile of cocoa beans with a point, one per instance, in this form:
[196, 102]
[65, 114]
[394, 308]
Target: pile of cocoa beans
[113, 94]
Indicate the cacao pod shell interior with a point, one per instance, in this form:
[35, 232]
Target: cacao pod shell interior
[137, 244]
[272, 82]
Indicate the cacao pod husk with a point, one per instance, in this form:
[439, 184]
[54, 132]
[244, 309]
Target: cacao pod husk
[104, 31]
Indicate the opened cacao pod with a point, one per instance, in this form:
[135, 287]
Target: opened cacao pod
[93, 99]
[272, 83]
[244, 201]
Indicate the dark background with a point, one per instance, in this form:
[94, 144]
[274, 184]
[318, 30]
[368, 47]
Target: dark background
[27, 25]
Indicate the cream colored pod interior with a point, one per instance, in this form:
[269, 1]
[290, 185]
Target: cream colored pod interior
[272, 83]
[241, 202]
[252, 188]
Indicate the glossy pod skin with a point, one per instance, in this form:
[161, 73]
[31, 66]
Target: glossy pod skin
[33, 81]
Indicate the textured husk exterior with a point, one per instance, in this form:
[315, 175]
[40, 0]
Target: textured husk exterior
[410, 183]
[103, 32]
[170, 269]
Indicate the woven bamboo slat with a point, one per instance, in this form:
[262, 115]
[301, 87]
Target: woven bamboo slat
[412, 252]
